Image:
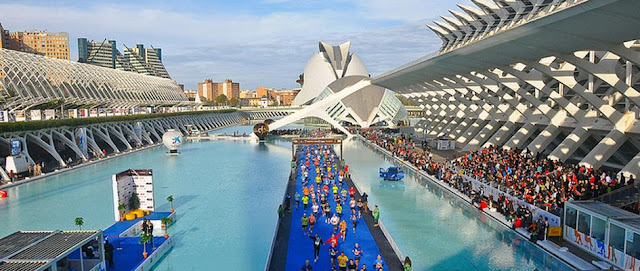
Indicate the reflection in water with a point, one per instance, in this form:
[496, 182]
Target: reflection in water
[391, 185]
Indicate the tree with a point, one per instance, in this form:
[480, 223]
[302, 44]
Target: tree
[165, 221]
[134, 202]
[221, 99]
[233, 101]
[170, 200]
[121, 208]
[79, 222]
[144, 239]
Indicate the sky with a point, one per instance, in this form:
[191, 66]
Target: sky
[255, 42]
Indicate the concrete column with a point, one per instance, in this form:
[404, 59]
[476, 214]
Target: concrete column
[502, 135]
[471, 132]
[569, 145]
[521, 136]
[482, 137]
[603, 151]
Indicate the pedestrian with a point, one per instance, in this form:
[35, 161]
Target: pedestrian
[30, 168]
[317, 242]
[305, 222]
[280, 212]
[376, 216]
[342, 261]
[108, 252]
[11, 176]
[306, 267]
[407, 264]
[287, 203]
[364, 198]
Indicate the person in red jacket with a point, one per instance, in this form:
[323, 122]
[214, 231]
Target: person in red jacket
[482, 205]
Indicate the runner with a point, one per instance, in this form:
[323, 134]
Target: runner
[312, 220]
[297, 198]
[357, 253]
[339, 210]
[379, 263]
[342, 261]
[334, 222]
[343, 229]
[354, 221]
[360, 204]
[317, 242]
[305, 221]
[305, 201]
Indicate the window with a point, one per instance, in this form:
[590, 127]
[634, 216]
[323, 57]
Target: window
[570, 217]
[633, 248]
[616, 237]
[584, 223]
[597, 228]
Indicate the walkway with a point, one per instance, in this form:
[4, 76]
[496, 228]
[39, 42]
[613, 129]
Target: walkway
[301, 246]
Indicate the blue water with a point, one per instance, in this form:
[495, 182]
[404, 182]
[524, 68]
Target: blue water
[436, 229]
[226, 196]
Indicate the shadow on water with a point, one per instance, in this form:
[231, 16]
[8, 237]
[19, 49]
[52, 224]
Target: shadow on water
[262, 146]
[177, 202]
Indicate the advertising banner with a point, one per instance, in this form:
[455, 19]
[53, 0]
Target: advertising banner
[49, 114]
[130, 182]
[109, 112]
[21, 115]
[554, 220]
[4, 116]
[81, 140]
[83, 113]
[73, 113]
[16, 147]
[93, 112]
[36, 114]
[102, 112]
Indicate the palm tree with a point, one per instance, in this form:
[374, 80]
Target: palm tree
[170, 200]
[165, 221]
[79, 222]
[144, 239]
[121, 208]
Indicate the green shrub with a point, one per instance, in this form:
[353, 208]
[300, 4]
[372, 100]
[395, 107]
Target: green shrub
[44, 124]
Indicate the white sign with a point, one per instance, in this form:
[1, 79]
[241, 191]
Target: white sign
[49, 114]
[21, 115]
[36, 114]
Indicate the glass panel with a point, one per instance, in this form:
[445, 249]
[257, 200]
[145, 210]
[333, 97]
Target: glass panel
[597, 228]
[616, 237]
[571, 217]
[633, 248]
[584, 223]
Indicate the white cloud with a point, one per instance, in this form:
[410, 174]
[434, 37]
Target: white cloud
[269, 49]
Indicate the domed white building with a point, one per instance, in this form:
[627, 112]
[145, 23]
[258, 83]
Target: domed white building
[326, 66]
[337, 89]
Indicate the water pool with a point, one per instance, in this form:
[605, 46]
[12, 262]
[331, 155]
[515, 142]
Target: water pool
[226, 196]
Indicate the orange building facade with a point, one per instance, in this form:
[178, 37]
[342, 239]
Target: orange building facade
[55, 45]
[209, 90]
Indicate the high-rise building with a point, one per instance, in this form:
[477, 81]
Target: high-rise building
[229, 89]
[55, 45]
[209, 90]
[137, 59]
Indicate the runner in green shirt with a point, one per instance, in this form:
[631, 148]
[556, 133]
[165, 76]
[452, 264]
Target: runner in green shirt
[305, 222]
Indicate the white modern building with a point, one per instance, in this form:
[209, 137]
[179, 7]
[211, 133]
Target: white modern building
[337, 89]
[27, 80]
[329, 64]
[557, 77]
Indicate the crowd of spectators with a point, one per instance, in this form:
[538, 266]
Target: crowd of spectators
[531, 178]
